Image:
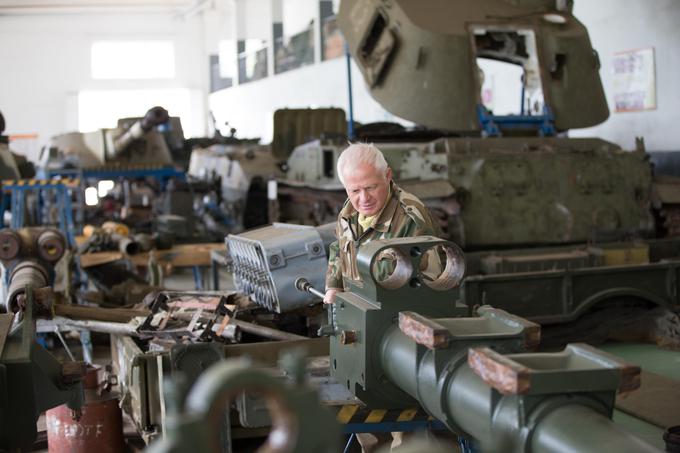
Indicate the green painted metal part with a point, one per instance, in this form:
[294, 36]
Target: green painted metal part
[419, 62]
[518, 191]
[32, 381]
[472, 373]
[299, 423]
[542, 285]
[502, 192]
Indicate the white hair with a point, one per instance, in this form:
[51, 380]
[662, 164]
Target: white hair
[360, 153]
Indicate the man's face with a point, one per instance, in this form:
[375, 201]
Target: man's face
[367, 188]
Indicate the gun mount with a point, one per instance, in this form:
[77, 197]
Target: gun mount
[473, 374]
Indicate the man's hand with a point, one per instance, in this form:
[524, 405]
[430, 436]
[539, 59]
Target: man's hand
[330, 296]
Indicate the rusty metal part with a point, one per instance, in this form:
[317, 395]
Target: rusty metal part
[423, 330]
[504, 375]
[98, 428]
[10, 245]
[43, 301]
[72, 372]
[51, 245]
[519, 375]
[26, 273]
[671, 214]
[32, 242]
[348, 336]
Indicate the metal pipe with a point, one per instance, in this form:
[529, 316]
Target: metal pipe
[464, 400]
[125, 245]
[350, 100]
[586, 431]
[266, 332]
[303, 284]
[116, 328]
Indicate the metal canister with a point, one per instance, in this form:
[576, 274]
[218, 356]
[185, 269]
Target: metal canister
[99, 428]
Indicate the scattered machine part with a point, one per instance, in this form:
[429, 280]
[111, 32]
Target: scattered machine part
[266, 262]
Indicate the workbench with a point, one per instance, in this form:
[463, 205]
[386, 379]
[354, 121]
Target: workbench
[181, 255]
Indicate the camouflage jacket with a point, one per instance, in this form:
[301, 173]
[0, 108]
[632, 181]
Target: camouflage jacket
[404, 215]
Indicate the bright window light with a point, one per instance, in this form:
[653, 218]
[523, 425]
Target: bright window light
[102, 109]
[133, 60]
[104, 187]
[91, 198]
[228, 58]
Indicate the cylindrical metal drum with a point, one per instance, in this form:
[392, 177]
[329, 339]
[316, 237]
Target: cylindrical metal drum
[100, 427]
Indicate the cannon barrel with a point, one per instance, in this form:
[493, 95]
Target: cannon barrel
[472, 373]
[154, 117]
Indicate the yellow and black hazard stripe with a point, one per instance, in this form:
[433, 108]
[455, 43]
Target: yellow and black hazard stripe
[7, 184]
[355, 413]
[118, 166]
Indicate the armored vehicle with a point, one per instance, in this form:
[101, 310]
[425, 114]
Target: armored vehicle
[554, 227]
[133, 141]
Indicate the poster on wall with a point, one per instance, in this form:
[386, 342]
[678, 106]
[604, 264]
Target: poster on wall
[634, 80]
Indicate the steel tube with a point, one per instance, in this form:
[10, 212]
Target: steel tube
[460, 397]
[586, 431]
[60, 323]
[266, 332]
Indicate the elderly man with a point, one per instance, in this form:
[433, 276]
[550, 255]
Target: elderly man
[376, 208]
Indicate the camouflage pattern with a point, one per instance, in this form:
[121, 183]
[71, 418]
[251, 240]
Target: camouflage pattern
[404, 215]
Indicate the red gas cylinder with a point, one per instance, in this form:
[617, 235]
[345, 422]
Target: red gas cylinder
[99, 429]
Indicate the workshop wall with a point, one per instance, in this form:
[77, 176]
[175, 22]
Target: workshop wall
[614, 26]
[250, 107]
[45, 62]
[621, 25]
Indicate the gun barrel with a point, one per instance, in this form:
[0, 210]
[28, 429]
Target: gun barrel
[154, 117]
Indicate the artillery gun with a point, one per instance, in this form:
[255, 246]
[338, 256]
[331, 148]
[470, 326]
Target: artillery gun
[398, 340]
[135, 141]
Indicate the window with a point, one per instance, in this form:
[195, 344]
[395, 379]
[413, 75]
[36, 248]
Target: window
[507, 62]
[133, 60]
[102, 109]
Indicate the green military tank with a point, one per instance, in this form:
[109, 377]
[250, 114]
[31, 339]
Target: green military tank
[555, 228]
